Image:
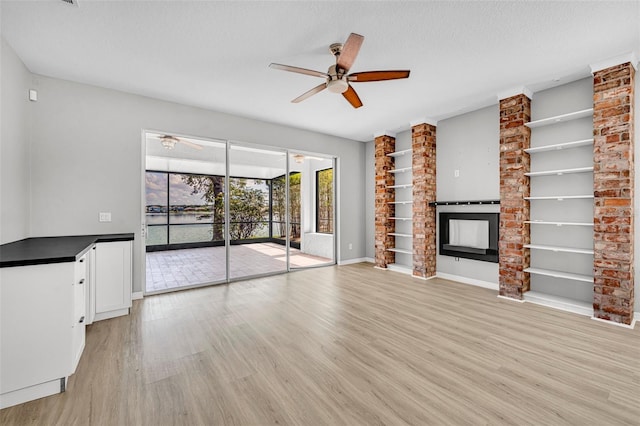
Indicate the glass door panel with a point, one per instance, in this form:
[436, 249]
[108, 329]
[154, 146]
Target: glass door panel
[311, 210]
[185, 192]
[257, 244]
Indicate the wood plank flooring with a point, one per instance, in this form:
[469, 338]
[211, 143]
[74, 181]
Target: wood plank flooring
[346, 345]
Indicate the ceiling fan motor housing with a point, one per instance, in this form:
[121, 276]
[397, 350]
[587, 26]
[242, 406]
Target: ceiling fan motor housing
[336, 83]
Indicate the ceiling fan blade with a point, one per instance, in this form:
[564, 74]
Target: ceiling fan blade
[352, 97]
[349, 51]
[308, 94]
[359, 77]
[298, 70]
[189, 144]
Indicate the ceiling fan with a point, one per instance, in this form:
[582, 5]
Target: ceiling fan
[337, 79]
[169, 142]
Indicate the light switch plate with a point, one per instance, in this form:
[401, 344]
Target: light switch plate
[105, 216]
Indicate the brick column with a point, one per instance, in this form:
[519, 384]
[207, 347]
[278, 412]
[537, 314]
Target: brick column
[514, 187]
[384, 145]
[423, 143]
[613, 175]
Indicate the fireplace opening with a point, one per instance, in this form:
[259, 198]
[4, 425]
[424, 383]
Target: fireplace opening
[470, 235]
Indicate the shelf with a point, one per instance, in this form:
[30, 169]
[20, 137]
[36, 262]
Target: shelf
[560, 146]
[399, 153]
[561, 197]
[395, 234]
[563, 303]
[463, 203]
[544, 222]
[561, 171]
[403, 269]
[399, 202]
[406, 185]
[399, 250]
[559, 249]
[400, 218]
[560, 274]
[402, 170]
[560, 118]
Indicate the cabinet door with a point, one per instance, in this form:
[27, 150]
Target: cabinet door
[113, 276]
[79, 311]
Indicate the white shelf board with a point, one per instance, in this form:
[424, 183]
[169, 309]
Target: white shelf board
[406, 185]
[559, 249]
[402, 170]
[561, 197]
[400, 250]
[557, 302]
[396, 234]
[560, 118]
[560, 146]
[400, 202]
[545, 222]
[398, 267]
[401, 218]
[399, 153]
[561, 171]
[560, 274]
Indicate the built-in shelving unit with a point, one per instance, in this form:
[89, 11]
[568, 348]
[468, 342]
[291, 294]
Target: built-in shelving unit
[561, 172]
[464, 203]
[560, 118]
[560, 146]
[403, 232]
[561, 260]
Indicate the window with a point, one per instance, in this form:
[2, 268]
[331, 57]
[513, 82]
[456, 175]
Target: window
[324, 201]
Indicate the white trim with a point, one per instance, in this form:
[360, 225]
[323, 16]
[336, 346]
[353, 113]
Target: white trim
[137, 295]
[111, 314]
[384, 133]
[423, 120]
[30, 393]
[382, 269]
[615, 60]
[520, 90]
[357, 260]
[617, 324]
[466, 280]
[511, 299]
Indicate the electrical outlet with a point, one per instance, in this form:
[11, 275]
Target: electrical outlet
[456, 173]
[350, 246]
[105, 216]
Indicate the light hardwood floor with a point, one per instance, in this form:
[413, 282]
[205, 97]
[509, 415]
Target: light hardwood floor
[347, 345]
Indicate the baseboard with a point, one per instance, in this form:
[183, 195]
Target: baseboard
[617, 324]
[466, 280]
[137, 295]
[352, 261]
[510, 299]
[20, 396]
[111, 314]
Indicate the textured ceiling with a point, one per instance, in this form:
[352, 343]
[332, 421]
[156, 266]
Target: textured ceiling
[215, 54]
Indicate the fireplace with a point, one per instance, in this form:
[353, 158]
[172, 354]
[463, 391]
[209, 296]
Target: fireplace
[469, 235]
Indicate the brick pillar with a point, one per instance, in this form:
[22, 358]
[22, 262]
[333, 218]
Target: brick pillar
[613, 175]
[423, 144]
[514, 187]
[384, 145]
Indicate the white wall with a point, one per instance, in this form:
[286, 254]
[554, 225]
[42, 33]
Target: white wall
[637, 197]
[15, 179]
[469, 143]
[86, 159]
[370, 191]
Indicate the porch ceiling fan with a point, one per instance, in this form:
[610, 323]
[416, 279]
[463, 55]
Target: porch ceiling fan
[169, 141]
[337, 79]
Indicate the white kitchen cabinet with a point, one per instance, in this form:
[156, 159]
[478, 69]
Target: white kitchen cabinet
[42, 309]
[113, 276]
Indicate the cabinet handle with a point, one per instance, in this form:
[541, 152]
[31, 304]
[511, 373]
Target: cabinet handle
[82, 260]
[81, 320]
[81, 281]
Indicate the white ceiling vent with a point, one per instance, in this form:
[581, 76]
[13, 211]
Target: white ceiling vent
[71, 2]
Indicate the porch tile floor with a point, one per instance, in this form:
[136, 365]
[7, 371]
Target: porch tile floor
[173, 269]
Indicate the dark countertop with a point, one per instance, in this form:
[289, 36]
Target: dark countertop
[43, 250]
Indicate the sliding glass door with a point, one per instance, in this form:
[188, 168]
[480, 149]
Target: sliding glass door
[256, 196]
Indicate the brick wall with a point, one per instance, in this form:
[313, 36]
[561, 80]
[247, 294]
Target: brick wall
[514, 186]
[423, 144]
[383, 210]
[613, 176]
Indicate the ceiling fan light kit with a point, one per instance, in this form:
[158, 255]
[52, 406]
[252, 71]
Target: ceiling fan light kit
[337, 79]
